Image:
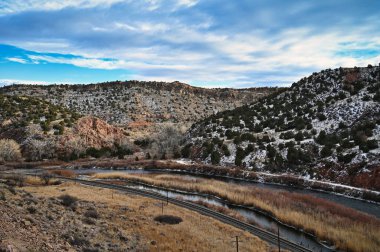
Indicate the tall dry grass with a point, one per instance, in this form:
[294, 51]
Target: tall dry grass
[348, 229]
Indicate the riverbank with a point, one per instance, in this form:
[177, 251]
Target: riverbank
[207, 170]
[346, 228]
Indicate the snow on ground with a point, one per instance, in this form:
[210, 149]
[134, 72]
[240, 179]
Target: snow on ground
[184, 161]
[305, 178]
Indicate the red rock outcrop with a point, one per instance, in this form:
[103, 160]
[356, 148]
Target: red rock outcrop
[97, 133]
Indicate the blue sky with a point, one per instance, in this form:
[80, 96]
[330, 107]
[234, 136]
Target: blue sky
[210, 43]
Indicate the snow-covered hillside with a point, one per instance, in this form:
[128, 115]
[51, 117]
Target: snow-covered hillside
[327, 124]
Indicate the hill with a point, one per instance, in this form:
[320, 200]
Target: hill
[141, 104]
[46, 131]
[20, 111]
[325, 126]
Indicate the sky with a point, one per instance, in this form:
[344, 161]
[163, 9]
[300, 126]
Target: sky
[207, 43]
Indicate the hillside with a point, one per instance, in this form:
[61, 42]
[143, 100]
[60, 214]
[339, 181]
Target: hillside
[20, 111]
[122, 103]
[45, 131]
[325, 126]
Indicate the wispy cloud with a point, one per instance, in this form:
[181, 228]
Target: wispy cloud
[15, 59]
[237, 43]
[14, 6]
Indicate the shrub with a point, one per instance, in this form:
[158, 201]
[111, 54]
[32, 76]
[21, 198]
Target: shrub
[168, 219]
[237, 140]
[326, 151]
[89, 221]
[240, 154]
[215, 158]
[225, 150]
[321, 117]
[345, 143]
[186, 150]
[342, 125]
[97, 153]
[31, 209]
[287, 135]
[346, 158]
[77, 240]
[248, 137]
[68, 200]
[376, 97]
[299, 136]
[142, 142]
[46, 177]
[91, 213]
[292, 155]
[372, 144]
[271, 151]
[176, 154]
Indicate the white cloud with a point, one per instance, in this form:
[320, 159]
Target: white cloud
[187, 3]
[18, 60]
[246, 57]
[13, 6]
[106, 64]
[158, 44]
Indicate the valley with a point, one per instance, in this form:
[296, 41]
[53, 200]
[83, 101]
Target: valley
[321, 134]
[186, 126]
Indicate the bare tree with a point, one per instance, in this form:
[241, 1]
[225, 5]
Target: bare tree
[9, 150]
[35, 149]
[167, 141]
[75, 145]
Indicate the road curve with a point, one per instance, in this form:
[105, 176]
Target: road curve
[261, 233]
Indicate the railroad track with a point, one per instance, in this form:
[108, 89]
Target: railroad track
[261, 233]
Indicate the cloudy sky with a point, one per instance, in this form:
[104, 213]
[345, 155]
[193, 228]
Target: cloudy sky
[210, 43]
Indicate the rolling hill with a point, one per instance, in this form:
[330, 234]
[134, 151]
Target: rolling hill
[325, 126]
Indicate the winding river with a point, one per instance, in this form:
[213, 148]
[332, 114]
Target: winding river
[360, 205]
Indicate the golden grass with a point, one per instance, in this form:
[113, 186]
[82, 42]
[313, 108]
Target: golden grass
[346, 228]
[31, 180]
[195, 233]
[37, 181]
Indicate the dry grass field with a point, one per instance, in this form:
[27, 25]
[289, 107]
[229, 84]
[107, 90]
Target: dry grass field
[135, 216]
[346, 228]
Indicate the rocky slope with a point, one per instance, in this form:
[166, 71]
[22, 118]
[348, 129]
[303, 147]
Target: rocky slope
[45, 131]
[325, 125]
[121, 103]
